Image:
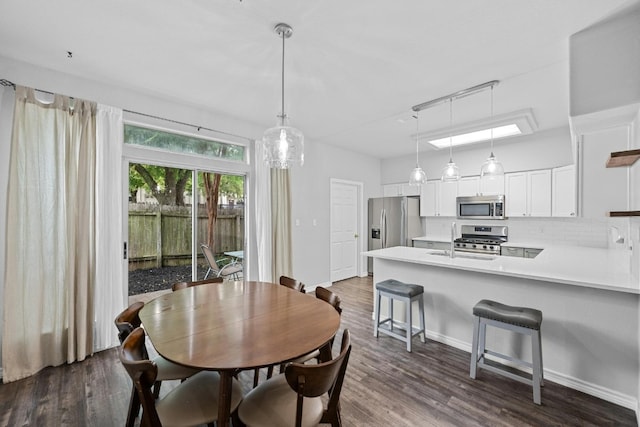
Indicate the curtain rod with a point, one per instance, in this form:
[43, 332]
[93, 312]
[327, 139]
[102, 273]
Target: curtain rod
[7, 83]
[459, 94]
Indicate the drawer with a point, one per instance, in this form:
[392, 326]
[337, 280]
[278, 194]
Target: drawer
[531, 252]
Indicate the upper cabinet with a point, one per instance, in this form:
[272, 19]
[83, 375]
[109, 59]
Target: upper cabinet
[404, 189]
[438, 198]
[469, 186]
[492, 186]
[563, 181]
[528, 193]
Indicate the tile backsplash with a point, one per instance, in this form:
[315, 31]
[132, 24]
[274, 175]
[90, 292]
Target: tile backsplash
[597, 233]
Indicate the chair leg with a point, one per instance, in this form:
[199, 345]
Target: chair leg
[134, 408]
[541, 362]
[390, 313]
[474, 347]
[376, 315]
[537, 368]
[409, 327]
[156, 389]
[269, 371]
[422, 321]
[256, 377]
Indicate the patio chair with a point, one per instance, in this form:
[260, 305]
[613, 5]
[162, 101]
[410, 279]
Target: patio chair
[231, 270]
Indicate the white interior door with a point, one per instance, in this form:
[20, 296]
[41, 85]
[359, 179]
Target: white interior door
[344, 229]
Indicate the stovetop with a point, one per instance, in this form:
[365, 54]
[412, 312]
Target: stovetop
[481, 239]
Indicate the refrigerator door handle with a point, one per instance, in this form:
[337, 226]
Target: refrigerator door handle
[383, 228]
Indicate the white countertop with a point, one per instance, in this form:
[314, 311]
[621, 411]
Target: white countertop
[572, 265]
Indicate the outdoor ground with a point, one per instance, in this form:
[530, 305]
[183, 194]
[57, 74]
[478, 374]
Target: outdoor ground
[157, 279]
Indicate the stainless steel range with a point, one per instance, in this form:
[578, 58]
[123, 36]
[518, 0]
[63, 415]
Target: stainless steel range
[481, 239]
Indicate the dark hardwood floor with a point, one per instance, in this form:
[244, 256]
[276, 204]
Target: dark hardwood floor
[384, 386]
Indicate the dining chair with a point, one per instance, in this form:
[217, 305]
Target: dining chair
[126, 322]
[184, 285]
[231, 270]
[192, 402]
[328, 296]
[292, 283]
[295, 397]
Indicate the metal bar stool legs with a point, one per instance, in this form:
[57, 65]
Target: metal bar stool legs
[522, 320]
[407, 293]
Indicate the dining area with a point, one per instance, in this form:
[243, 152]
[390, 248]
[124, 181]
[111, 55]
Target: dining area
[213, 330]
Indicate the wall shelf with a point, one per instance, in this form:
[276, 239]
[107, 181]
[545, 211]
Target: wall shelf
[623, 158]
[624, 213]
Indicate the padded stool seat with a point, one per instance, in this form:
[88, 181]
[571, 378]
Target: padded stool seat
[523, 320]
[407, 293]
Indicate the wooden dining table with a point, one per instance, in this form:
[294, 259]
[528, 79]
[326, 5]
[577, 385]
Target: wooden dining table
[233, 326]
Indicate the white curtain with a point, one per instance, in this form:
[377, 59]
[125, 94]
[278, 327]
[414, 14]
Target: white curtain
[111, 294]
[281, 223]
[263, 213]
[50, 252]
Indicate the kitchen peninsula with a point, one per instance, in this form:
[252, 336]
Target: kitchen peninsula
[589, 298]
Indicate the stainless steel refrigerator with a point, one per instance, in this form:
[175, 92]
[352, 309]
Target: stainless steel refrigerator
[393, 221]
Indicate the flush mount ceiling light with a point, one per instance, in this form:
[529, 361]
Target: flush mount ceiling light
[451, 172]
[284, 145]
[418, 176]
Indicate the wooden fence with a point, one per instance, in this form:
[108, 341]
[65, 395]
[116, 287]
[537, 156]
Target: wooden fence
[160, 236]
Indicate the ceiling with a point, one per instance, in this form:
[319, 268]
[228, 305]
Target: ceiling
[353, 69]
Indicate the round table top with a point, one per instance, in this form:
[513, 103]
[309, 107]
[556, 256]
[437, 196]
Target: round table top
[237, 325]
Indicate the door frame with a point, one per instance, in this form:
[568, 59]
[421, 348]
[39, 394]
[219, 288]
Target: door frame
[361, 265]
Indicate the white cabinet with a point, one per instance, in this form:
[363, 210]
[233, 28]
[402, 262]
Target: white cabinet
[563, 192]
[528, 193]
[492, 186]
[404, 189]
[469, 186]
[438, 198]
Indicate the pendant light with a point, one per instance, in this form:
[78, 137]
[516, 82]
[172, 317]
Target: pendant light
[450, 172]
[418, 176]
[491, 168]
[284, 145]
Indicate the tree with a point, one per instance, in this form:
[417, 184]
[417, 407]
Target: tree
[166, 184]
[211, 183]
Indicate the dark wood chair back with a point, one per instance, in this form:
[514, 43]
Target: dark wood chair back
[316, 380]
[292, 283]
[128, 320]
[142, 371]
[183, 285]
[326, 295]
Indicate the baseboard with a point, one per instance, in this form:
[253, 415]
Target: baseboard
[312, 288]
[626, 401]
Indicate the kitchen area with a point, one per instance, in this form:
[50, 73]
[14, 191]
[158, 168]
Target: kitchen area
[559, 231]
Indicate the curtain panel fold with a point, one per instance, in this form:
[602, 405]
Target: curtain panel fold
[282, 263]
[50, 276]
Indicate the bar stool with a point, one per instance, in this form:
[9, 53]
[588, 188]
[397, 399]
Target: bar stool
[407, 293]
[522, 320]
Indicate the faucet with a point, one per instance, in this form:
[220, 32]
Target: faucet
[452, 252]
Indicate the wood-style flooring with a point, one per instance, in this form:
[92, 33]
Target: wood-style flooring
[384, 386]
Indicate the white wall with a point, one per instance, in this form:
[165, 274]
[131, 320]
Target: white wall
[605, 63]
[542, 150]
[311, 188]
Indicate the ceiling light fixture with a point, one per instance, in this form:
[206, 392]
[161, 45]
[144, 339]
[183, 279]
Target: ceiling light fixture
[284, 145]
[491, 168]
[451, 172]
[418, 176]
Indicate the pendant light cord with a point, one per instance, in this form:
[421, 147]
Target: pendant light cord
[417, 131]
[450, 130]
[283, 115]
[492, 121]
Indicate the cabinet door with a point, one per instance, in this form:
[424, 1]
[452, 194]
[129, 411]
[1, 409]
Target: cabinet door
[409, 190]
[563, 191]
[492, 186]
[447, 199]
[429, 198]
[469, 186]
[391, 190]
[539, 193]
[512, 251]
[516, 194]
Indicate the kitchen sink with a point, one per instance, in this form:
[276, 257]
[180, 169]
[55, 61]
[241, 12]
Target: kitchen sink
[463, 255]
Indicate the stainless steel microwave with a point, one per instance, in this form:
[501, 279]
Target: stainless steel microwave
[480, 207]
